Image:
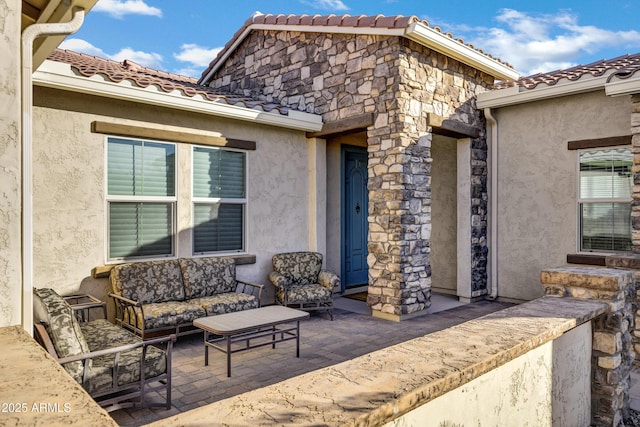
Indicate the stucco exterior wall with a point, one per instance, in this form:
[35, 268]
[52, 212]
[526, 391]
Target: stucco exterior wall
[10, 169]
[444, 227]
[538, 183]
[69, 161]
[534, 389]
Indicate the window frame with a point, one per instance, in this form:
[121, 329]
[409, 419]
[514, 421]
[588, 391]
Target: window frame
[213, 200]
[172, 201]
[581, 200]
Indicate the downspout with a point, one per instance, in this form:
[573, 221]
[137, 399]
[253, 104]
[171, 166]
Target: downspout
[493, 208]
[28, 36]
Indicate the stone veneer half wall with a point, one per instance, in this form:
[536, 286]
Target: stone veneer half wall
[401, 83]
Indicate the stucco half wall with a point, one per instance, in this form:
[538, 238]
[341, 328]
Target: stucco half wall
[10, 170]
[69, 186]
[538, 182]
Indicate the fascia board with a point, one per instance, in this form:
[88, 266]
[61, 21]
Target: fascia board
[59, 76]
[621, 87]
[517, 95]
[435, 40]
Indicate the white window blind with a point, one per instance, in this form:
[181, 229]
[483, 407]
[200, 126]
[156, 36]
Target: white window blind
[605, 196]
[140, 198]
[219, 200]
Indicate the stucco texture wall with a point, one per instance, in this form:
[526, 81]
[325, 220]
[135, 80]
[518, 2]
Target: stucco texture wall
[444, 215]
[69, 161]
[10, 166]
[537, 182]
[533, 390]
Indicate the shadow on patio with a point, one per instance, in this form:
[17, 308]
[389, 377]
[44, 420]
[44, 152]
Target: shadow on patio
[323, 343]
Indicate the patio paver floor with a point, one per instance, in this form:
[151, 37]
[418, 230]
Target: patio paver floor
[322, 343]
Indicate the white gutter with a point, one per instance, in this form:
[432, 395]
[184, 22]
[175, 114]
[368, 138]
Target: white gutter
[28, 36]
[59, 75]
[493, 207]
[621, 87]
[517, 95]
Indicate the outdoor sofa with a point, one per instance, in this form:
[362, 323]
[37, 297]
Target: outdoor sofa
[155, 297]
[102, 357]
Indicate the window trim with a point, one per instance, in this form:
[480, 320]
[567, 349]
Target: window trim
[580, 200]
[171, 200]
[212, 200]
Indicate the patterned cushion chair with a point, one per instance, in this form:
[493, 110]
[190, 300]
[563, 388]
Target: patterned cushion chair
[300, 281]
[102, 357]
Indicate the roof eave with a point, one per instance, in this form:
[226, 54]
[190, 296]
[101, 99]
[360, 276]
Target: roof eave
[427, 36]
[55, 11]
[518, 95]
[60, 76]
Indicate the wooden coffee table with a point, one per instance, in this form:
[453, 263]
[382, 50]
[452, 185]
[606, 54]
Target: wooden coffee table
[259, 324]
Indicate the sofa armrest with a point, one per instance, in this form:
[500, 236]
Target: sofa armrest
[328, 279]
[125, 307]
[116, 351]
[278, 280]
[250, 289]
[42, 336]
[125, 301]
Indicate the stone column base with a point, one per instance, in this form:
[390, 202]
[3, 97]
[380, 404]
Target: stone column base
[397, 318]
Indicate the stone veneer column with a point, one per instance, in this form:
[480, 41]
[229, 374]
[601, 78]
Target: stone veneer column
[612, 352]
[399, 226]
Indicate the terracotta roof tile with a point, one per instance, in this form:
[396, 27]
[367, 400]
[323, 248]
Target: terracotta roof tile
[143, 77]
[622, 67]
[361, 21]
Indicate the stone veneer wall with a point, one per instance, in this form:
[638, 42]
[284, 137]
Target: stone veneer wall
[400, 82]
[612, 354]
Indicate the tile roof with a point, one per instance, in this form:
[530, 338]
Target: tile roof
[117, 72]
[344, 21]
[621, 67]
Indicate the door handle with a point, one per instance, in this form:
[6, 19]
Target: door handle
[357, 207]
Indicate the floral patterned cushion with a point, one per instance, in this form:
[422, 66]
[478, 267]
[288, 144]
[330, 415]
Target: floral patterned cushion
[101, 334]
[299, 268]
[208, 276]
[228, 302]
[63, 328]
[304, 293]
[171, 313]
[148, 282]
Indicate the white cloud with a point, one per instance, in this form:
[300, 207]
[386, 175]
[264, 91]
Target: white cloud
[537, 43]
[119, 8]
[82, 46]
[146, 59]
[197, 55]
[334, 5]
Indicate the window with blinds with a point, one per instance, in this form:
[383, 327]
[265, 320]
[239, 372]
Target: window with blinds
[605, 200]
[219, 200]
[141, 198]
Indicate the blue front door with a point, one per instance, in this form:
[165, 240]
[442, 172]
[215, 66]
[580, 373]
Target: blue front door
[355, 212]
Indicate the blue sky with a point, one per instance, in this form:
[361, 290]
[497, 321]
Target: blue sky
[183, 36]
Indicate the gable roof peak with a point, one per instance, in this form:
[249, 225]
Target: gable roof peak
[411, 27]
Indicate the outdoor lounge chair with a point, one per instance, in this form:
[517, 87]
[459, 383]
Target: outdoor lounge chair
[102, 357]
[301, 283]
